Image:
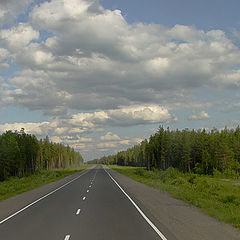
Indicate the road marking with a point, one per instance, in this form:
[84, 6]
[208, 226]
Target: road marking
[29, 205]
[139, 210]
[87, 190]
[90, 186]
[78, 211]
[84, 198]
[94, 176]
[67, 237]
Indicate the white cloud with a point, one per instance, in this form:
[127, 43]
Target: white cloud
[114, 73]
[109, 137]
[75, 130]
[34, 128]
[96, 60]
[18, 36]
[126, 116]
[125, 142]
[199, 116]
[10, 9]
[79, 146]
[107, 145]
[56, 139]
[232, 78]
[84, 139]
[114, 145]
[74, 141]
[133, 115]
[80, 123]
[4, 54]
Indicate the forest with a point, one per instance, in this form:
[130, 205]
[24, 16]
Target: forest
[193, 151]
[22, 154]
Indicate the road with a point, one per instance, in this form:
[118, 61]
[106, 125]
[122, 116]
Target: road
[92, 206]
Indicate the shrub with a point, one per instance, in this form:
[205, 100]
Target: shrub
[216, 173]
[192, 178]
[139, 171]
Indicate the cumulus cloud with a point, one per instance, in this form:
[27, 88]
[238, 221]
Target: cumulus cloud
[117, 143]
[232, 78]
[91, 122]
[106, 145]
[4, 54]
[110, 72]
[126, 116]
[18, 36]
[199, 116]
[113, 146]
[10, 9]
[94, 59]
[73, 129]
[109, 137]
[35, 128]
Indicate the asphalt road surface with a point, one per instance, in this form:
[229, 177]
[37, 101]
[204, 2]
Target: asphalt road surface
[90, 207]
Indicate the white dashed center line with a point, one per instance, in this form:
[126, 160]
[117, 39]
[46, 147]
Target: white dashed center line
[78, 211]
[38, 200]
[67, 237]
[84, 198]
[87, 190]
[90, 186]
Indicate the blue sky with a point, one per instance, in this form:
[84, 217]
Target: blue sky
[214, 14]
[101, 76]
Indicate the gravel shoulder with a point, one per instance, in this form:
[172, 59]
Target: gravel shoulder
[175, 218]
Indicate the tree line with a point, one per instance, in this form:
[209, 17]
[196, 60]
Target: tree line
[22, 153]
[194, 151]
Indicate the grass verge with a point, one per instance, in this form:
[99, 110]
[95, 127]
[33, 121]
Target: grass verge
[14, 185]
[216, 196]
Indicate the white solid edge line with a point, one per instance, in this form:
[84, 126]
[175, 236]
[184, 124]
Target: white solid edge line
[67, 237]
[29, 205]
[139, 210]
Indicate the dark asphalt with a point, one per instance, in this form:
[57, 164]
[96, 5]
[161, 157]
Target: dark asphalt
[105, 214]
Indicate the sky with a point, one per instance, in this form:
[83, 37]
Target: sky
[101, 76]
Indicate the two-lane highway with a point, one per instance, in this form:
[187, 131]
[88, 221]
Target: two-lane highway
[92, 206]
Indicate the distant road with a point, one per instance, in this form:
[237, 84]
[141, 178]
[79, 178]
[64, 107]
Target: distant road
[90, 207]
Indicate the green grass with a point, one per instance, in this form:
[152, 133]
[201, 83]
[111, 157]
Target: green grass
[14, 185]
[217, 197]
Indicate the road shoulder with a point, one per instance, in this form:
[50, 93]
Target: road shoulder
[172, 215]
